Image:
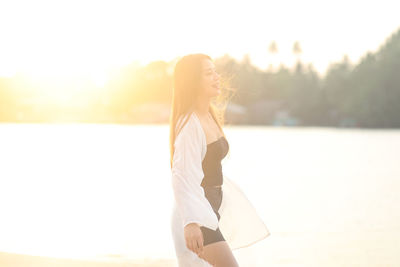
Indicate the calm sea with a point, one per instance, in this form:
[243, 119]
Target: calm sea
[330, 197]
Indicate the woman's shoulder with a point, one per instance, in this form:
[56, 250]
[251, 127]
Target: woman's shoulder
[191, 128]
[189, 122]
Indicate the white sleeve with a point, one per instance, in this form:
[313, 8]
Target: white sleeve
[187, 174]
[240, 223]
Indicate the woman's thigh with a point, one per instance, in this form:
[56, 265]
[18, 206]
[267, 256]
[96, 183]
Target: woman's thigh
[219, 254]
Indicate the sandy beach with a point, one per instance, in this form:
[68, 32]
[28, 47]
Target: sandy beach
[19, 260]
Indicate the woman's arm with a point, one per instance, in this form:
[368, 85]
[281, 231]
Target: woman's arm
[187, 174]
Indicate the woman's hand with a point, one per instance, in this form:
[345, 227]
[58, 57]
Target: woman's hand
[194, 238]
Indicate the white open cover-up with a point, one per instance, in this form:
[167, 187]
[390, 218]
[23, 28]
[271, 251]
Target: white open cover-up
[239, 222]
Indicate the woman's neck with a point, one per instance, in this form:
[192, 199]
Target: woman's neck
[202, 108]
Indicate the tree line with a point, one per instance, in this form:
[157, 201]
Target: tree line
[366, 94]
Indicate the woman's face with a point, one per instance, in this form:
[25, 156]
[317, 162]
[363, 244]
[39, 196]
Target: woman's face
[210, 79]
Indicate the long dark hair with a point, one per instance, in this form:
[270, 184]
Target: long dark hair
[187, 81]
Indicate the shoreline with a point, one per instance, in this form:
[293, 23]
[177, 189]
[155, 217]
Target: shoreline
[13, 259]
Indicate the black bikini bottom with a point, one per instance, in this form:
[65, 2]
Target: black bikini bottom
[214, 196]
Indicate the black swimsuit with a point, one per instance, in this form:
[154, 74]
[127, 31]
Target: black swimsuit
[212, 169]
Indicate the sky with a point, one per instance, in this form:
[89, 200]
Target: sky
[74, 38]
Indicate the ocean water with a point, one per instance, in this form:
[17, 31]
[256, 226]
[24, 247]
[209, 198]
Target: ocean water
[330, 197]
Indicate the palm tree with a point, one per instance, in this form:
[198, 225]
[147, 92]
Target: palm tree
[273, 50]
[297, 52]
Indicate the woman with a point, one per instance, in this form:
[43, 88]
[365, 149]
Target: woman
[211, 215]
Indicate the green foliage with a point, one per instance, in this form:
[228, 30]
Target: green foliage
[366, 94]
